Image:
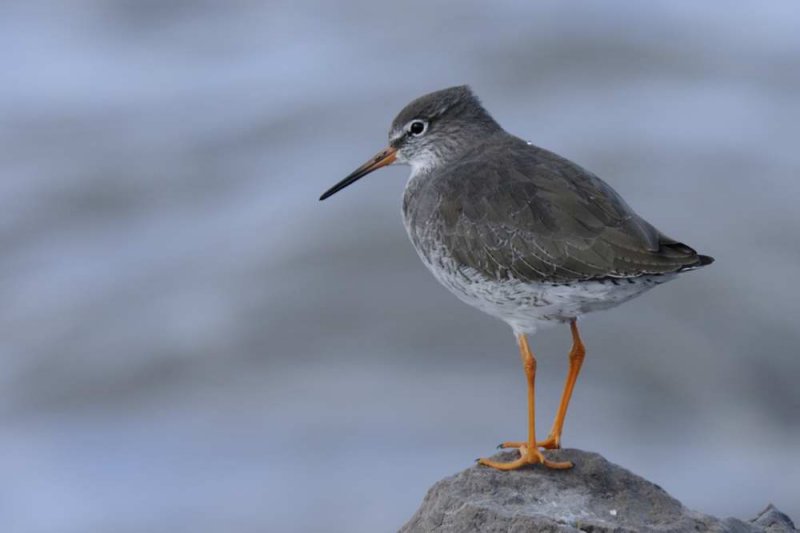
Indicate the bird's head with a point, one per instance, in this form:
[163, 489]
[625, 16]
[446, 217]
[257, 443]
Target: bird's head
[429, 131]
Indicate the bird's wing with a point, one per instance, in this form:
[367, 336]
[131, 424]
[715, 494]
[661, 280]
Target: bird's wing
[527, 213]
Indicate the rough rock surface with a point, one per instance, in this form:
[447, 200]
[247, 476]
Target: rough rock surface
[595, 495]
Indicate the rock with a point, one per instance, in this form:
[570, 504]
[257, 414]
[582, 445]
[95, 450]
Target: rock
[595, 495]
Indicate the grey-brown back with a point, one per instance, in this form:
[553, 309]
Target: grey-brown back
[509, 209]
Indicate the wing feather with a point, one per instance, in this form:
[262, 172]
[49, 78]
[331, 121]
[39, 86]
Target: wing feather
[516, 210]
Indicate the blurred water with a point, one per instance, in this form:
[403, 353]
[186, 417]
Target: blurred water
[191, 342]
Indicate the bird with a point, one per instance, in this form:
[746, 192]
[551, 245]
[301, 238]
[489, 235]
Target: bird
[523, 234]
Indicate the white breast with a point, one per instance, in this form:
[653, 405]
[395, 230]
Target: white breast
[527, 306]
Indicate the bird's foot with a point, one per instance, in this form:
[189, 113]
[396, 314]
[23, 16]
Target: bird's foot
[552, 442]
[527, 456]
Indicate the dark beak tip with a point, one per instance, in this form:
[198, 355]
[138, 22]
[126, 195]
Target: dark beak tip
[384, 158]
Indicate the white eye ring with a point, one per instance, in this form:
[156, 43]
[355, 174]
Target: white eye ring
[417, 127]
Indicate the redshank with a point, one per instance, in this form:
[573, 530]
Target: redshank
[520, 233]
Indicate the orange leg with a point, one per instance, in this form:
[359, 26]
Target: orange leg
[528, 452]
[576, 355]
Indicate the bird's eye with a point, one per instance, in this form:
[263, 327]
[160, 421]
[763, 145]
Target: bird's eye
[417, 128]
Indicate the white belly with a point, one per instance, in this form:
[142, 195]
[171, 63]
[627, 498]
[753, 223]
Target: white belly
[527, 306]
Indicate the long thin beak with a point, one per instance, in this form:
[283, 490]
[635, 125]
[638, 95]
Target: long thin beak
[383, 158]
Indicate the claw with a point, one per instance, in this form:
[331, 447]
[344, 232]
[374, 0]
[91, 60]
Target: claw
[527, 456]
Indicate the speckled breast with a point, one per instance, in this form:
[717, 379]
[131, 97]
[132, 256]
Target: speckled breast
[526, 306]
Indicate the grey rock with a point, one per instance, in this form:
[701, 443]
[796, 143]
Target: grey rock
[596, 496]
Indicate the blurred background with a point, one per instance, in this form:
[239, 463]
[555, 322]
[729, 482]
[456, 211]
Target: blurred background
[190, 341]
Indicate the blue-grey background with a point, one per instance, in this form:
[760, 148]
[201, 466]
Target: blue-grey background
[189, 341]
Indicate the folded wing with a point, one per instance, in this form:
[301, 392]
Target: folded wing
[530, 214]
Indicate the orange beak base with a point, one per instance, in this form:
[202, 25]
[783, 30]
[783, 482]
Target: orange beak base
[382, 159]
